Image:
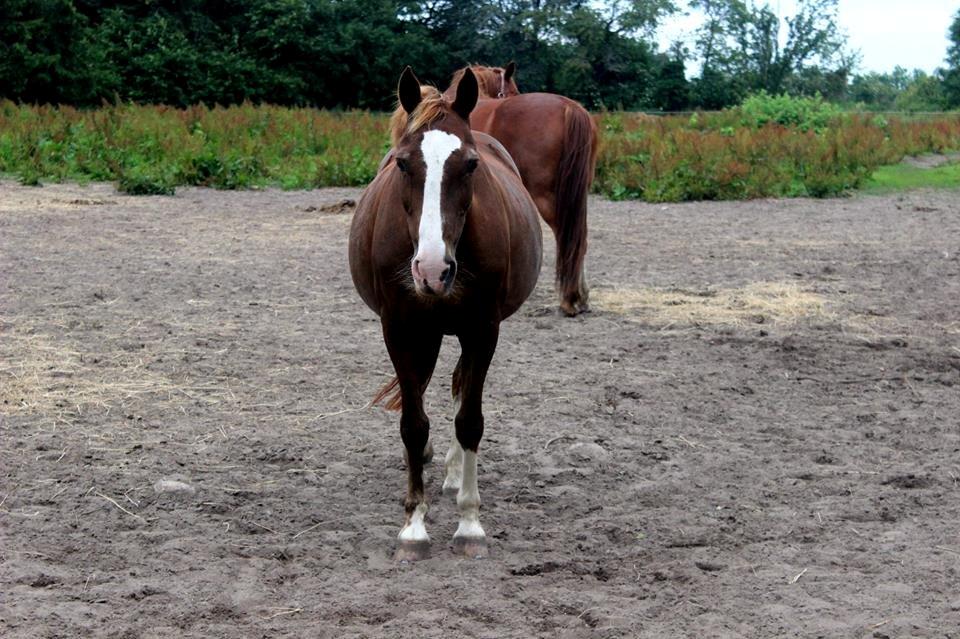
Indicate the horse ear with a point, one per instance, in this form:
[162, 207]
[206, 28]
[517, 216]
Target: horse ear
[467, 94]
[408, 90]
[509, 70]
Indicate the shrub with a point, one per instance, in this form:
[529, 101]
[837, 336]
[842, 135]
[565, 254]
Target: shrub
[154, 148]
[707, 156]
[803, 113]
[675, 158]
[145, 181]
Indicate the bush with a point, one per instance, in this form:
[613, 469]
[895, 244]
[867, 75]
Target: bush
[150, 149]
[141, 181]
[803, 113]
[711, 157]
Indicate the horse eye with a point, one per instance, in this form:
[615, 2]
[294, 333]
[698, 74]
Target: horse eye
[402, 164]
[471, 165]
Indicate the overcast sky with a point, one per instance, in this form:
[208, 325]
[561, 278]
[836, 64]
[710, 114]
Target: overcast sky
[909, 33]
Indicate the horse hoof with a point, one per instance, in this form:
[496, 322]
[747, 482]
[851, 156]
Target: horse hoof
[568, 309]
[428, 453]
[472, 547]
[410, 551]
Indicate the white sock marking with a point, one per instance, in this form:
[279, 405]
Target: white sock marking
[453, 465]
[436, 147]
[468, 500]
[415, 530]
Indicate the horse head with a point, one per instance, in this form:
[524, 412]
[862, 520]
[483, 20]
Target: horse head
[494, 82]
[436, 158]
[497, 82]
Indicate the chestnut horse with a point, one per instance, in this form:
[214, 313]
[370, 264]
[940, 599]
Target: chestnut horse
[445, 241]
[553, 140]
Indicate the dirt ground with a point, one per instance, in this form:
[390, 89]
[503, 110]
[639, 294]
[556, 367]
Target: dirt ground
[754, 434]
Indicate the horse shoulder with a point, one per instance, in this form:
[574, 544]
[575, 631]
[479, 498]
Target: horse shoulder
[376, 222]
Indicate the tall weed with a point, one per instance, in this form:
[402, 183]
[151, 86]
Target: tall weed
[748, 152]
[713, 156]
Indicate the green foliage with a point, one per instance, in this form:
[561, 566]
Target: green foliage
[806, 114]
[713, 156]
[951, 75]
[144, 181]
[154, 149]
[703, 156]
[742, 50]
[326, 53]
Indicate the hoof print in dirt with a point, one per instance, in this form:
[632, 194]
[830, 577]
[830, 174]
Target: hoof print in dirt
[410, 551]
[470, 547]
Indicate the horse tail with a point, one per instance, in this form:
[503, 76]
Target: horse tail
[391, 389]
[456, 384]
[574, 177]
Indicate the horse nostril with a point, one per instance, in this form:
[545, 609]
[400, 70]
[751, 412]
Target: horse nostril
[450, 272]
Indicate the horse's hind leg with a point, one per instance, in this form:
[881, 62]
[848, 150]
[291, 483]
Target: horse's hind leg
[453, 463]
[414, 355]
[583, 292]
[478, 349]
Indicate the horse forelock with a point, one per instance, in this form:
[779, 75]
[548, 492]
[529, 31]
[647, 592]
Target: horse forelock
[432, 107]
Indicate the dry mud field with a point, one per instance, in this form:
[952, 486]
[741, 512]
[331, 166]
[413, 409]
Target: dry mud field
[754, 433]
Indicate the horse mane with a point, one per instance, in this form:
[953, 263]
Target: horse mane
[481, 79]
[432, 107]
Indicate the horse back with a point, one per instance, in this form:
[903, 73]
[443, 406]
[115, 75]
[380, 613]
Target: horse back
[534, 129]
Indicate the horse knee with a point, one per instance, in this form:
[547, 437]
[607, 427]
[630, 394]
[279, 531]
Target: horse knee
[469, 430]
[415, 431]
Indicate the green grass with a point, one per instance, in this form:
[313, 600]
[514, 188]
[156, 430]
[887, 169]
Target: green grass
[901, 177]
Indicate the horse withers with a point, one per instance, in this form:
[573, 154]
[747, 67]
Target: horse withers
[554, 142]
[445, 241]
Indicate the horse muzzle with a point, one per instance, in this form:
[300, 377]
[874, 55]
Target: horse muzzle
[434, 277]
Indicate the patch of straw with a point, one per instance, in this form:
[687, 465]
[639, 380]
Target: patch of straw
[759, 302]
[41, 375]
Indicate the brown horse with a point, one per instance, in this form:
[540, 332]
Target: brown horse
[494, 82]
[445, 241]
[553, 140]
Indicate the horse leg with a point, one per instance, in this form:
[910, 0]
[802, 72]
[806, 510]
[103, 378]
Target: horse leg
[414, 355]
[470, 539]
[453, 467]
[583, 301]
[453, 463]
[573, 295]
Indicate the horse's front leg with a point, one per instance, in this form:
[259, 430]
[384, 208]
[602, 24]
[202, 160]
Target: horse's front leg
[478, 348]
[414, 355]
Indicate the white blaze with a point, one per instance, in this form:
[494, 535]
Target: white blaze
[436, 147]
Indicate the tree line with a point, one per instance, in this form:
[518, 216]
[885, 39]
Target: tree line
[348, 53]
